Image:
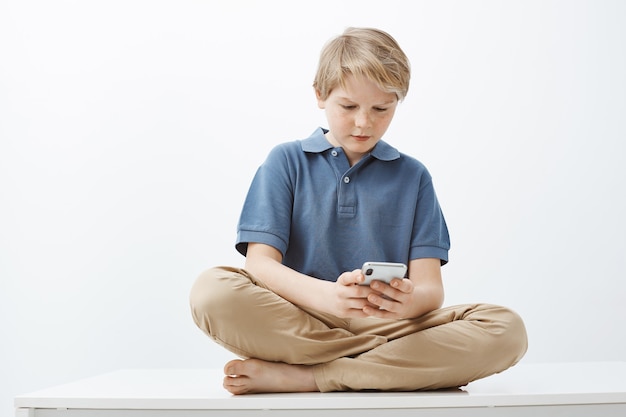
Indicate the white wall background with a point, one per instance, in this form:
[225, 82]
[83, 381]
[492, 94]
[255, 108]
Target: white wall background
[130, 130]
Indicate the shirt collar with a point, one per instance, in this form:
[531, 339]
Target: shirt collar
[317, 143]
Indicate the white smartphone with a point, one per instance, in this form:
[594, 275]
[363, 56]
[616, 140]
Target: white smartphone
[382, 271]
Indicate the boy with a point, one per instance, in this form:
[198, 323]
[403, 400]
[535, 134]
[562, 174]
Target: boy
[316, 210]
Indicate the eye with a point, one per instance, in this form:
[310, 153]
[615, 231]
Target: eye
[380, 109]
[348, 106]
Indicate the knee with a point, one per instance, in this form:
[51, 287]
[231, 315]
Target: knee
[512, 335]
[210, 294]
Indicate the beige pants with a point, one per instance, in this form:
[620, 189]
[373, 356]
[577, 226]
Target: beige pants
[449, 347]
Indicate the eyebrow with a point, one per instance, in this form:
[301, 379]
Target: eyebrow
[379, 104]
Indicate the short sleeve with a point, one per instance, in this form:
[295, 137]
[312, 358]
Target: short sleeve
[430, 238]
[267, 210]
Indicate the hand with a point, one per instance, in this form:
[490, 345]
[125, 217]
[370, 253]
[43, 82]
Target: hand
[395, 300]
[347, 298]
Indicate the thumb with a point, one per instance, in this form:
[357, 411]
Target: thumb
[351, 278]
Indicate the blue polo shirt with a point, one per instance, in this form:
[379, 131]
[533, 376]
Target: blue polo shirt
[326, 217]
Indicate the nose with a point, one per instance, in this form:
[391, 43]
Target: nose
[361, 119]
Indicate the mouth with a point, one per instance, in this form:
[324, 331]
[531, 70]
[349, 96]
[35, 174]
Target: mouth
[360, 138]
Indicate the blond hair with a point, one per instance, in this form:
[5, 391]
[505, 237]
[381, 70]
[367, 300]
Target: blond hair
[366, 52]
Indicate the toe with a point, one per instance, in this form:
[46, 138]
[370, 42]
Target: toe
[235, 385]
[233, 367]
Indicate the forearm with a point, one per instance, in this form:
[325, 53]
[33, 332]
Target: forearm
[300, 289]
[427, 299]
[428, 293]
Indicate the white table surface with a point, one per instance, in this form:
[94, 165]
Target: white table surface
[200, 389]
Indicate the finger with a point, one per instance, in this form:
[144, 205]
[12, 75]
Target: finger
[357, 275]
[355, 308]
[357, 303]
[380, 313]
[403, 285]
[351, 278]
[383, 303]
[386, 289]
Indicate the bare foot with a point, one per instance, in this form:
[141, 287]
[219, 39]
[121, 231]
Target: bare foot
[256, 376]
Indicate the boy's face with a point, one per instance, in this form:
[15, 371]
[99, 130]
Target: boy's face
[358, 116]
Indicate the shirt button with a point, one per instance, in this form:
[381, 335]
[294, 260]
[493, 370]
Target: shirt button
[333, 153]
[346, 179]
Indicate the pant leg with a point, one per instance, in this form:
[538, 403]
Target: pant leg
[445, 348]
[239, 313]
[449, 347]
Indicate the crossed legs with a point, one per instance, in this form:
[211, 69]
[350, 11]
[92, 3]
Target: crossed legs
[288, 349]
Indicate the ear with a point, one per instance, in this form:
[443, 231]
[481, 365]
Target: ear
[320, 103]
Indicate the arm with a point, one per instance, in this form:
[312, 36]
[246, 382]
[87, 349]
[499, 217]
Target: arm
[341, 298]
[421, 293]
